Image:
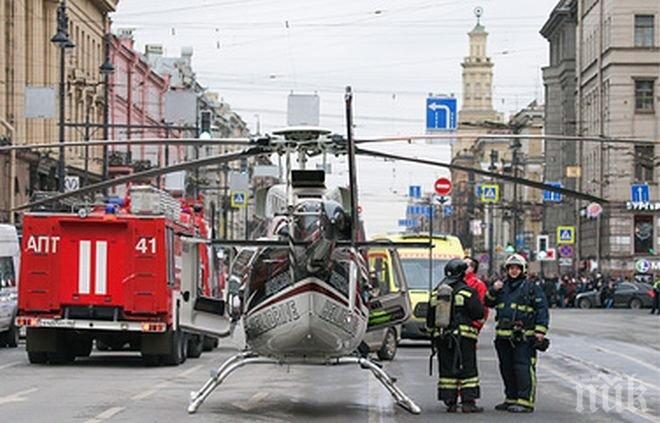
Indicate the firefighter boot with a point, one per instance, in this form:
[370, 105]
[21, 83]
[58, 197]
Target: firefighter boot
[471, 407]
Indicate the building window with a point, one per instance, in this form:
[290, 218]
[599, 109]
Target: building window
[644, 30]
[644, 234]
[644, 95]
[644, 156]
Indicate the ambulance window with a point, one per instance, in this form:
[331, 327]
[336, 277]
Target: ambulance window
[381, 267]
[7, 273]
[169, 241]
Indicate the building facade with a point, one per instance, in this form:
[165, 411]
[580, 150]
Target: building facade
[560, 119]
[616, 85]
[137, 108]
[29, 59]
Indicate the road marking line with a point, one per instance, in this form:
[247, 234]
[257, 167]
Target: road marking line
[576, 382]
[627, 357]
[165, 384]
[110, 412]
[189, 371]
[4, 366]
[607, 371]
[17, 396]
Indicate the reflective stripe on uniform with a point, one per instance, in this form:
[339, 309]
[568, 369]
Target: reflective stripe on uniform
[541, 329]
[472, 382]
[450, 383]
[467, 331]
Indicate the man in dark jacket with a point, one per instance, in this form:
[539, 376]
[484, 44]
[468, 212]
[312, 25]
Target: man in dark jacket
[456, 343]
[522, 322]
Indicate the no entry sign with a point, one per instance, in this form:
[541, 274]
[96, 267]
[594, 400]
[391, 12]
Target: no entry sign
[442, 186]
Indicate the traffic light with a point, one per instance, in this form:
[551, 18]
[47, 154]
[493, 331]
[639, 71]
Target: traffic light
[205, 121]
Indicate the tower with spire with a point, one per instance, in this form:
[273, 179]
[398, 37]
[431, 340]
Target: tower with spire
[477, 103]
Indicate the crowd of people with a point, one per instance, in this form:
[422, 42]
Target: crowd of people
[562, 291]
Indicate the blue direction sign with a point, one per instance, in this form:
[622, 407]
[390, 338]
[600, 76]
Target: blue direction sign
[448, 210]
[409, 222]
[415, 191]
[639, 193]
[551, 196]
[441, 113]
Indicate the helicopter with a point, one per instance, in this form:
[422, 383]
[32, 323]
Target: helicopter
[304, 294]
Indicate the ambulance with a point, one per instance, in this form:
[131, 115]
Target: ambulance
[415, 265]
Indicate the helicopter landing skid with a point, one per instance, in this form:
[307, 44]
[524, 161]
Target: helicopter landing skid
[242, 359]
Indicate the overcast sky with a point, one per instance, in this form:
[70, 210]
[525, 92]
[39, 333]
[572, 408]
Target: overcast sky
[392, 52]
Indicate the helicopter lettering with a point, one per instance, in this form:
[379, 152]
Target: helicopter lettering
[339, 317]
[273, 317]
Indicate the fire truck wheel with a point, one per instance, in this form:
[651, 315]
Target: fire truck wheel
[37, 357]
[195, 346]
[179, 348]
[102, 346]
[210, 343]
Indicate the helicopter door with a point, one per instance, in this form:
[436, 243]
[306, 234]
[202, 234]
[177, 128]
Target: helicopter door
[197, 312]
[390, 303]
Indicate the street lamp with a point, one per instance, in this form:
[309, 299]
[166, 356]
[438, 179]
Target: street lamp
[106, 70]
[62, 40]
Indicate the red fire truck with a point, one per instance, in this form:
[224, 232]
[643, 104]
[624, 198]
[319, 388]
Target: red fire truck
[112, 273]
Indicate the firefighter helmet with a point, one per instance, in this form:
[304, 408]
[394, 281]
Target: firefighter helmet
[455, 270]
[517, 260]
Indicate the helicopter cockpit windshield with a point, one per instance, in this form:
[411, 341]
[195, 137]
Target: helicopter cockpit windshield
[308, 219]
[316, 219]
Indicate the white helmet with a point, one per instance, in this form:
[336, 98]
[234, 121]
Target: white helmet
[518, 260]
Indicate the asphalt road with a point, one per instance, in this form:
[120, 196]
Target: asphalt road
[614, 354]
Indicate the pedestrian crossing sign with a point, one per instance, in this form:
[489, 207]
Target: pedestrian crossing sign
[565, 234]
[238, 199]
[490, 193]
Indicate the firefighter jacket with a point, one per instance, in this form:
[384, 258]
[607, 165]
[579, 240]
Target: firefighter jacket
[466, 307]
[519, 303]
[477, 284]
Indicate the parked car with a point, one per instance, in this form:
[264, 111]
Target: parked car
[9, 260]
[626, 294]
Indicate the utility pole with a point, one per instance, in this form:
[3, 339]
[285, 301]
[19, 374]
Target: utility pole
[225, 202]
[62, 40]
[86, 176]
[491, 223]
[12, 170]
[106, 70]
[514, 164]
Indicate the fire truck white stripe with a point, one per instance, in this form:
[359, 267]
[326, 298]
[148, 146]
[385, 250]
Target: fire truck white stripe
[84, 270]
[101, 274]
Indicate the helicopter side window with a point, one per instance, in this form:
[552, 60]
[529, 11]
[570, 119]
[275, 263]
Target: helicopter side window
[339, 218]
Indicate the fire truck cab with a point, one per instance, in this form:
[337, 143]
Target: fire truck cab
[112, 273]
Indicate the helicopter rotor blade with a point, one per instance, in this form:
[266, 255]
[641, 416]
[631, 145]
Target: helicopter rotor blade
[503, 137]
[507, 178]
[146, 141]
[207, 161]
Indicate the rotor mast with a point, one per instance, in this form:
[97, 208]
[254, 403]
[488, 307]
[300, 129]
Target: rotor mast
[350, 143]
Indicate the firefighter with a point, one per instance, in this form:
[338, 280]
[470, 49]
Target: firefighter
[473, 281]
[522, 322]
[454, 306]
